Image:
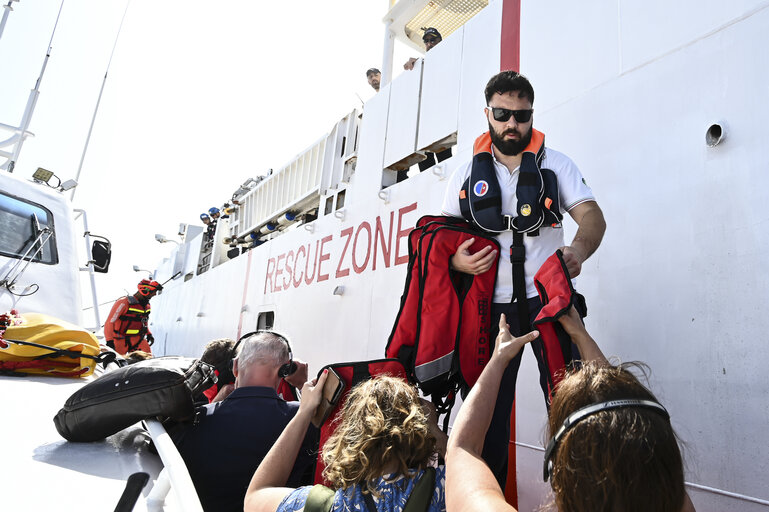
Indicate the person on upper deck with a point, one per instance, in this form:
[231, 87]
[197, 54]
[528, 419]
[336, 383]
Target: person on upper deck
[374, 77]
[232, 437]
[127, 326]
[430, 38]
[494, 186]
[611, 447]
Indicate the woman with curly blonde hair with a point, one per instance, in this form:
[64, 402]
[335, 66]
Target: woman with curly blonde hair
[385, 440]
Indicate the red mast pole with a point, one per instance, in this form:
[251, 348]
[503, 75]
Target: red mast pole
[510, 58]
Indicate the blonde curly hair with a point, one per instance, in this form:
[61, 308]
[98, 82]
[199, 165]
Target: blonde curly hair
[382, 426]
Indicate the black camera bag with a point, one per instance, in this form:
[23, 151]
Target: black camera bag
[161, 387]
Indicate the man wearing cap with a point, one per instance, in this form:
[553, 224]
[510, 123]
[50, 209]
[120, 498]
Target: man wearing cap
[374, 77]
[127, 326]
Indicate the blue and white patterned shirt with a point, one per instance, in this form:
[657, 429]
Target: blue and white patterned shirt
[394, 494]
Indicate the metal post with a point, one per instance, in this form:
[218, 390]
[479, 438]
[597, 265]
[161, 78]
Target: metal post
[387, 54]
[6, 9]
[89, 267]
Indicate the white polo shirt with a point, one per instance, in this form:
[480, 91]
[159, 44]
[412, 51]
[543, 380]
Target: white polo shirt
[572, 191]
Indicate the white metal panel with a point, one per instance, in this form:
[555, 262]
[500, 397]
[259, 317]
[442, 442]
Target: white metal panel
[679, 281]
[649, 30]
[373, 132]
[403, 120]
[439, 107]
[480, 61]
[569, 53]
[58, 294]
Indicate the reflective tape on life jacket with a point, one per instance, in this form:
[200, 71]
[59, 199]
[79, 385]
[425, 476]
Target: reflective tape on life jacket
[441, 333]
[557, 295]
[134, 321]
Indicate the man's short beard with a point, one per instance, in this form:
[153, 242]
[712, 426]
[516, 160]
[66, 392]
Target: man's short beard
[509, 147]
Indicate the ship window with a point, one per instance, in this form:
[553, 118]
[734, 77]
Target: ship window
[265, 321]
[340, 200]
[329, 205]
[22, 222]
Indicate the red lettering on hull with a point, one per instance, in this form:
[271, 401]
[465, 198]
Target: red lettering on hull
[301, 266]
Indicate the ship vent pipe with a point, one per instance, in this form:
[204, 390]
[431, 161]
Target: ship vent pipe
[715, 134]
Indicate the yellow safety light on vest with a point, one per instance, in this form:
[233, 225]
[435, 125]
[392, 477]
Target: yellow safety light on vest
[50, 346]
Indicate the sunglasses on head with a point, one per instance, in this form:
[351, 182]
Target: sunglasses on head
[503, 114]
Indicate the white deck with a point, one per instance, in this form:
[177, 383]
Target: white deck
[42, 471]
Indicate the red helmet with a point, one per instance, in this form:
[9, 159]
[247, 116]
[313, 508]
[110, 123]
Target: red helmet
[147, 287]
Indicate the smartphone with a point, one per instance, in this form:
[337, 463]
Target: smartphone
[332, 392]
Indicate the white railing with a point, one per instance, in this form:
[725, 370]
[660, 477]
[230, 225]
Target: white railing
[297, 187]
[174, 475]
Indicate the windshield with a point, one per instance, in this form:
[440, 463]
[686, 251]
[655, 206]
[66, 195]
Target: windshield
[20, 225]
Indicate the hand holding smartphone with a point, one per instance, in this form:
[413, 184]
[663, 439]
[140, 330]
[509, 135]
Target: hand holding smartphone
[332, 392]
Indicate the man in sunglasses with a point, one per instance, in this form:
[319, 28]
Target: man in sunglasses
[524, 215]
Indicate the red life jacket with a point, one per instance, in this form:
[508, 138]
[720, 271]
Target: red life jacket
[441, 333]
[351, 374]
[131, 327]
[557, 295]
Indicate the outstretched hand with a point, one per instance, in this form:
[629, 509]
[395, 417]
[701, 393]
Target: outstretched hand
[507, 346]
[312, 394]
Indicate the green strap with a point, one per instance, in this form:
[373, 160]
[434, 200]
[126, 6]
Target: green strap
[422, 493]
[320, 499]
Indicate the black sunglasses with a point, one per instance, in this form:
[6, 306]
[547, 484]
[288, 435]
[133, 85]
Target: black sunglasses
[503, 114]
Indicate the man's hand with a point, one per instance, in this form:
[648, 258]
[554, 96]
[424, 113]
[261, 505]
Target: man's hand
[506, 346]
[312, 394]
[409, 65]
[473, 264]
[300, 376]
[572, 323]
[573, 260]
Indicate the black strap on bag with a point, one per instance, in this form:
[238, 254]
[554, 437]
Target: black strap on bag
[104, 358]
[518, 259]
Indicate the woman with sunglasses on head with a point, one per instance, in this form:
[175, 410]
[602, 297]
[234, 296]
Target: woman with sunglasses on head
[612, 446]
[378, 454]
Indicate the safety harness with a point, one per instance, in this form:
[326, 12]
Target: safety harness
[133, 323]
[441, 333]
[480, 201]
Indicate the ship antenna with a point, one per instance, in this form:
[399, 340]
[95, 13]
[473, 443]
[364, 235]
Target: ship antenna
[31, 101]
[98, 101]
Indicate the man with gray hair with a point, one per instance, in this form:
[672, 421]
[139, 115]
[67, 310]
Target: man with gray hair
[224, 449]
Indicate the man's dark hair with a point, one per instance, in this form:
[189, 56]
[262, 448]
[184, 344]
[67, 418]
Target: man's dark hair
[509, 81]
[372, 71]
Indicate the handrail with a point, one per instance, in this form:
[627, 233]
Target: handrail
[175, 472]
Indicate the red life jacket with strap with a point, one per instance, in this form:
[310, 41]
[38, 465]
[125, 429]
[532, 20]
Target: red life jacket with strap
[557, 295]
[351, 374]
[133, 327]
[441, 333]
